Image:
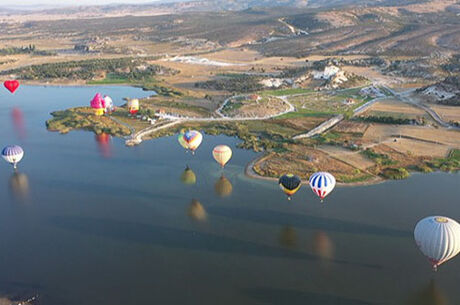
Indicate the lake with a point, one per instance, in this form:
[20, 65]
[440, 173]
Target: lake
[87, 220]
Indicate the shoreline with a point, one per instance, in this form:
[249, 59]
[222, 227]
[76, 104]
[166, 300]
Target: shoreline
[249, 172]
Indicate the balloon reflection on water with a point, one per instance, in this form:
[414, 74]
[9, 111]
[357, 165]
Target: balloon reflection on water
[323, 245]
[19, 186]
[223, 187]
[18, 122]
[188, 176]
[288, 237]
[196, 211]
[104, 144]
[429, 295]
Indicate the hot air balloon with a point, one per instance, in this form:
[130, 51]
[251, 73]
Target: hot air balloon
[11, 85]
[107, 103]
[188, 176]
[97, 104]
[12, 154]
[438, 238]
[192, 139]
[290, 184]
[222, 154]
[223, 187]
[196, 211]
[133, 106]
[322, 184]
[181, 140]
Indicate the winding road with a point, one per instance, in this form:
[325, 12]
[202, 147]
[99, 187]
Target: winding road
[136, 137]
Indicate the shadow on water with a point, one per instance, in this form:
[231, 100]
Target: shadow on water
[304, 221]
[275, 296]
[178, 238]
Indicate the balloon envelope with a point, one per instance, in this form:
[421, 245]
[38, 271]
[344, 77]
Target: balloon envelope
[290, 184]
[133, 106]
[107, 103]
[222, 154]
[12, 154]
[96, 102]
[192, 139]
[180, 139]
[438, 238]
[322, 184]
[11, 85]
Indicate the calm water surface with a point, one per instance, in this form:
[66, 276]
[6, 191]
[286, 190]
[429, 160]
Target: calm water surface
[89, 221]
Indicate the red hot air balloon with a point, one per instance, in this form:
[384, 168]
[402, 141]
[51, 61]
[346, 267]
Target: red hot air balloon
[11, 85]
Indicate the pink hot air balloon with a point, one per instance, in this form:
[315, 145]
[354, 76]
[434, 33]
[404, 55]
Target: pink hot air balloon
[97, 104]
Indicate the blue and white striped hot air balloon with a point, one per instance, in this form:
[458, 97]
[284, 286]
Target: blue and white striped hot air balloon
[13, 154]
[322, 183]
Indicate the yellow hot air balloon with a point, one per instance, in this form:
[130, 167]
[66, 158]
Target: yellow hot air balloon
[133, 106]
[188, 176]
[196, 211]
[222, 154]
[223, 187]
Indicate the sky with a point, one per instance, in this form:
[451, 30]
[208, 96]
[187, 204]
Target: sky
[70, 2]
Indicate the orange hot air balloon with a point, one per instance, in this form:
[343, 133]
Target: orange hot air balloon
[222, 154]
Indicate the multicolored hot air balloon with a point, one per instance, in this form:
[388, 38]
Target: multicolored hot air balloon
[97, 104]
[322, 184]
[192, 139]
[188, 176]
[13, 154]
[290, 184]
[438, 238]
[11, 85]
[222, 154]
[107, 103]
[181, 140]
[133, 106]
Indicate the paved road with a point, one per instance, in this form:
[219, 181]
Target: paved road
[404, 97]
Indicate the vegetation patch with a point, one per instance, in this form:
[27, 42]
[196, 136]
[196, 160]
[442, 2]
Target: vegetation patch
[395, 173]
[83, 118]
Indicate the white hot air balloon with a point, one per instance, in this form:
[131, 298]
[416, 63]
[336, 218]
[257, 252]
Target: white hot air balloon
[13, 154]
[438, 238]
[322, 183]
[222, 154]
